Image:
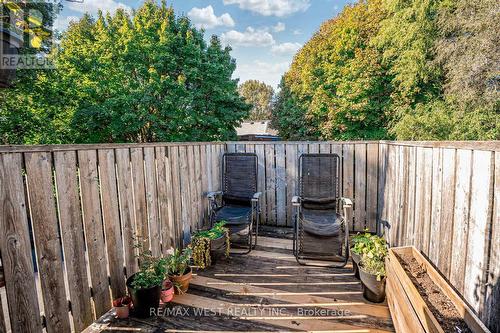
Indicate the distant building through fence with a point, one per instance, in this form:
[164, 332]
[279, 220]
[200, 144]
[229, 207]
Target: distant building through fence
[258, 130]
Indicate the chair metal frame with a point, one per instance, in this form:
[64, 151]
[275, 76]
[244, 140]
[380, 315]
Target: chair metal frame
[346, 204]
[216, 202]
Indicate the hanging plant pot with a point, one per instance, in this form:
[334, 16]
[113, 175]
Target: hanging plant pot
[373, 290]
[144, 299]
[10, 45]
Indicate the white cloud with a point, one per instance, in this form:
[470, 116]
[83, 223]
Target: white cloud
[206, 18]
[297, 32]
[249, 37]
[271, 7]
[286, 48]
[269, 73]
[279, 27]
[92, 6]
[62, 23]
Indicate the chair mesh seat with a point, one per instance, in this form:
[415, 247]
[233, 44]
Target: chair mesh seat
[234, 214]
[326, 223]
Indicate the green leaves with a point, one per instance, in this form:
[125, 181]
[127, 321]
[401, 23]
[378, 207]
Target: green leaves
[260, 96]
[411, 70]
[120, 78]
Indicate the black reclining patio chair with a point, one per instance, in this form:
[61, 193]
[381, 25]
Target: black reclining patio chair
[321, 232]
[238, 202]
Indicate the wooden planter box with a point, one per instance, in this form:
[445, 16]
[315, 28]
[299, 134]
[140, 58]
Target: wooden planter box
[409, 311]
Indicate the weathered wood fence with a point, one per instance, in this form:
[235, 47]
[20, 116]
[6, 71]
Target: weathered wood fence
[68, 213]
[444, 198]
[77, 209]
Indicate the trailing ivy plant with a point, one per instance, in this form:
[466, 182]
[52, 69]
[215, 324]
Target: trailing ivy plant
[373, 254]
[201, 244]
[360, 241]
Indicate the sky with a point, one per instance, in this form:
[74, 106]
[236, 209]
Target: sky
[264, 34]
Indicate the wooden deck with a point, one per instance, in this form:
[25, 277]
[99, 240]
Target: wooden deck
[265, 291]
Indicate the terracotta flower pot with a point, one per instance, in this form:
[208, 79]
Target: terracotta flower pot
[182, 281]
[167, 292]
[122, 312]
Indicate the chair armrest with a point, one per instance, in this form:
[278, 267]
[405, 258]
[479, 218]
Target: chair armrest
[256, 196]
[213, 195]
[296, 200]
[346, 202]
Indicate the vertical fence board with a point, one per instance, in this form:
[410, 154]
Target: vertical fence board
[479, 227]
[360, 187]
[491, 304]
[437, 188]
[72, 238]
[348, 174]
[126, 202]
[173, 156]
[15, 247]
[426, 204]
[447, 221]
[152, 200]
[141, 219]
[461, 218]
[261, 181]
[111, 217]
[185, 195]
[270, 185]
[92, 219]
[371, 186]
[410, 197]
[46, 234]
[204, 182]
[291, 180]
[382, 187]
[165, 207]
[280, 185]
[198, 187]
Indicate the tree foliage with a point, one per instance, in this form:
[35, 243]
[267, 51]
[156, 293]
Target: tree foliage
[422, 69]
[260, 96]
[119, 78]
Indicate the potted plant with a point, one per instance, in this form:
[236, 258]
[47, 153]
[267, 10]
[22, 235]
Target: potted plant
[209, 244]
[372, 269]
[359, 243]
[145, 286]
[178, 269]
[167, 291]
[122, 307]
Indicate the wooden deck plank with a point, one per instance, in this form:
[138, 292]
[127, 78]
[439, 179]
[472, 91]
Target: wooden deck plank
[271, 294]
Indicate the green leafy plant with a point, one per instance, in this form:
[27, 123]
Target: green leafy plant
[152, 270]
[373, 256]
[177, 263]
[360, 242]
[201, 244]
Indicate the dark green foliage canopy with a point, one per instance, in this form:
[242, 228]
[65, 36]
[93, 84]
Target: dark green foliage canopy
[415, 70]
[120, 78]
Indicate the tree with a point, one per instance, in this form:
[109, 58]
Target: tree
[120, 78]
[260, 96]
[338, 80]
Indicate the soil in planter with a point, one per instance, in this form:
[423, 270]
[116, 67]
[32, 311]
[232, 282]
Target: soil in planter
[440, 305]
